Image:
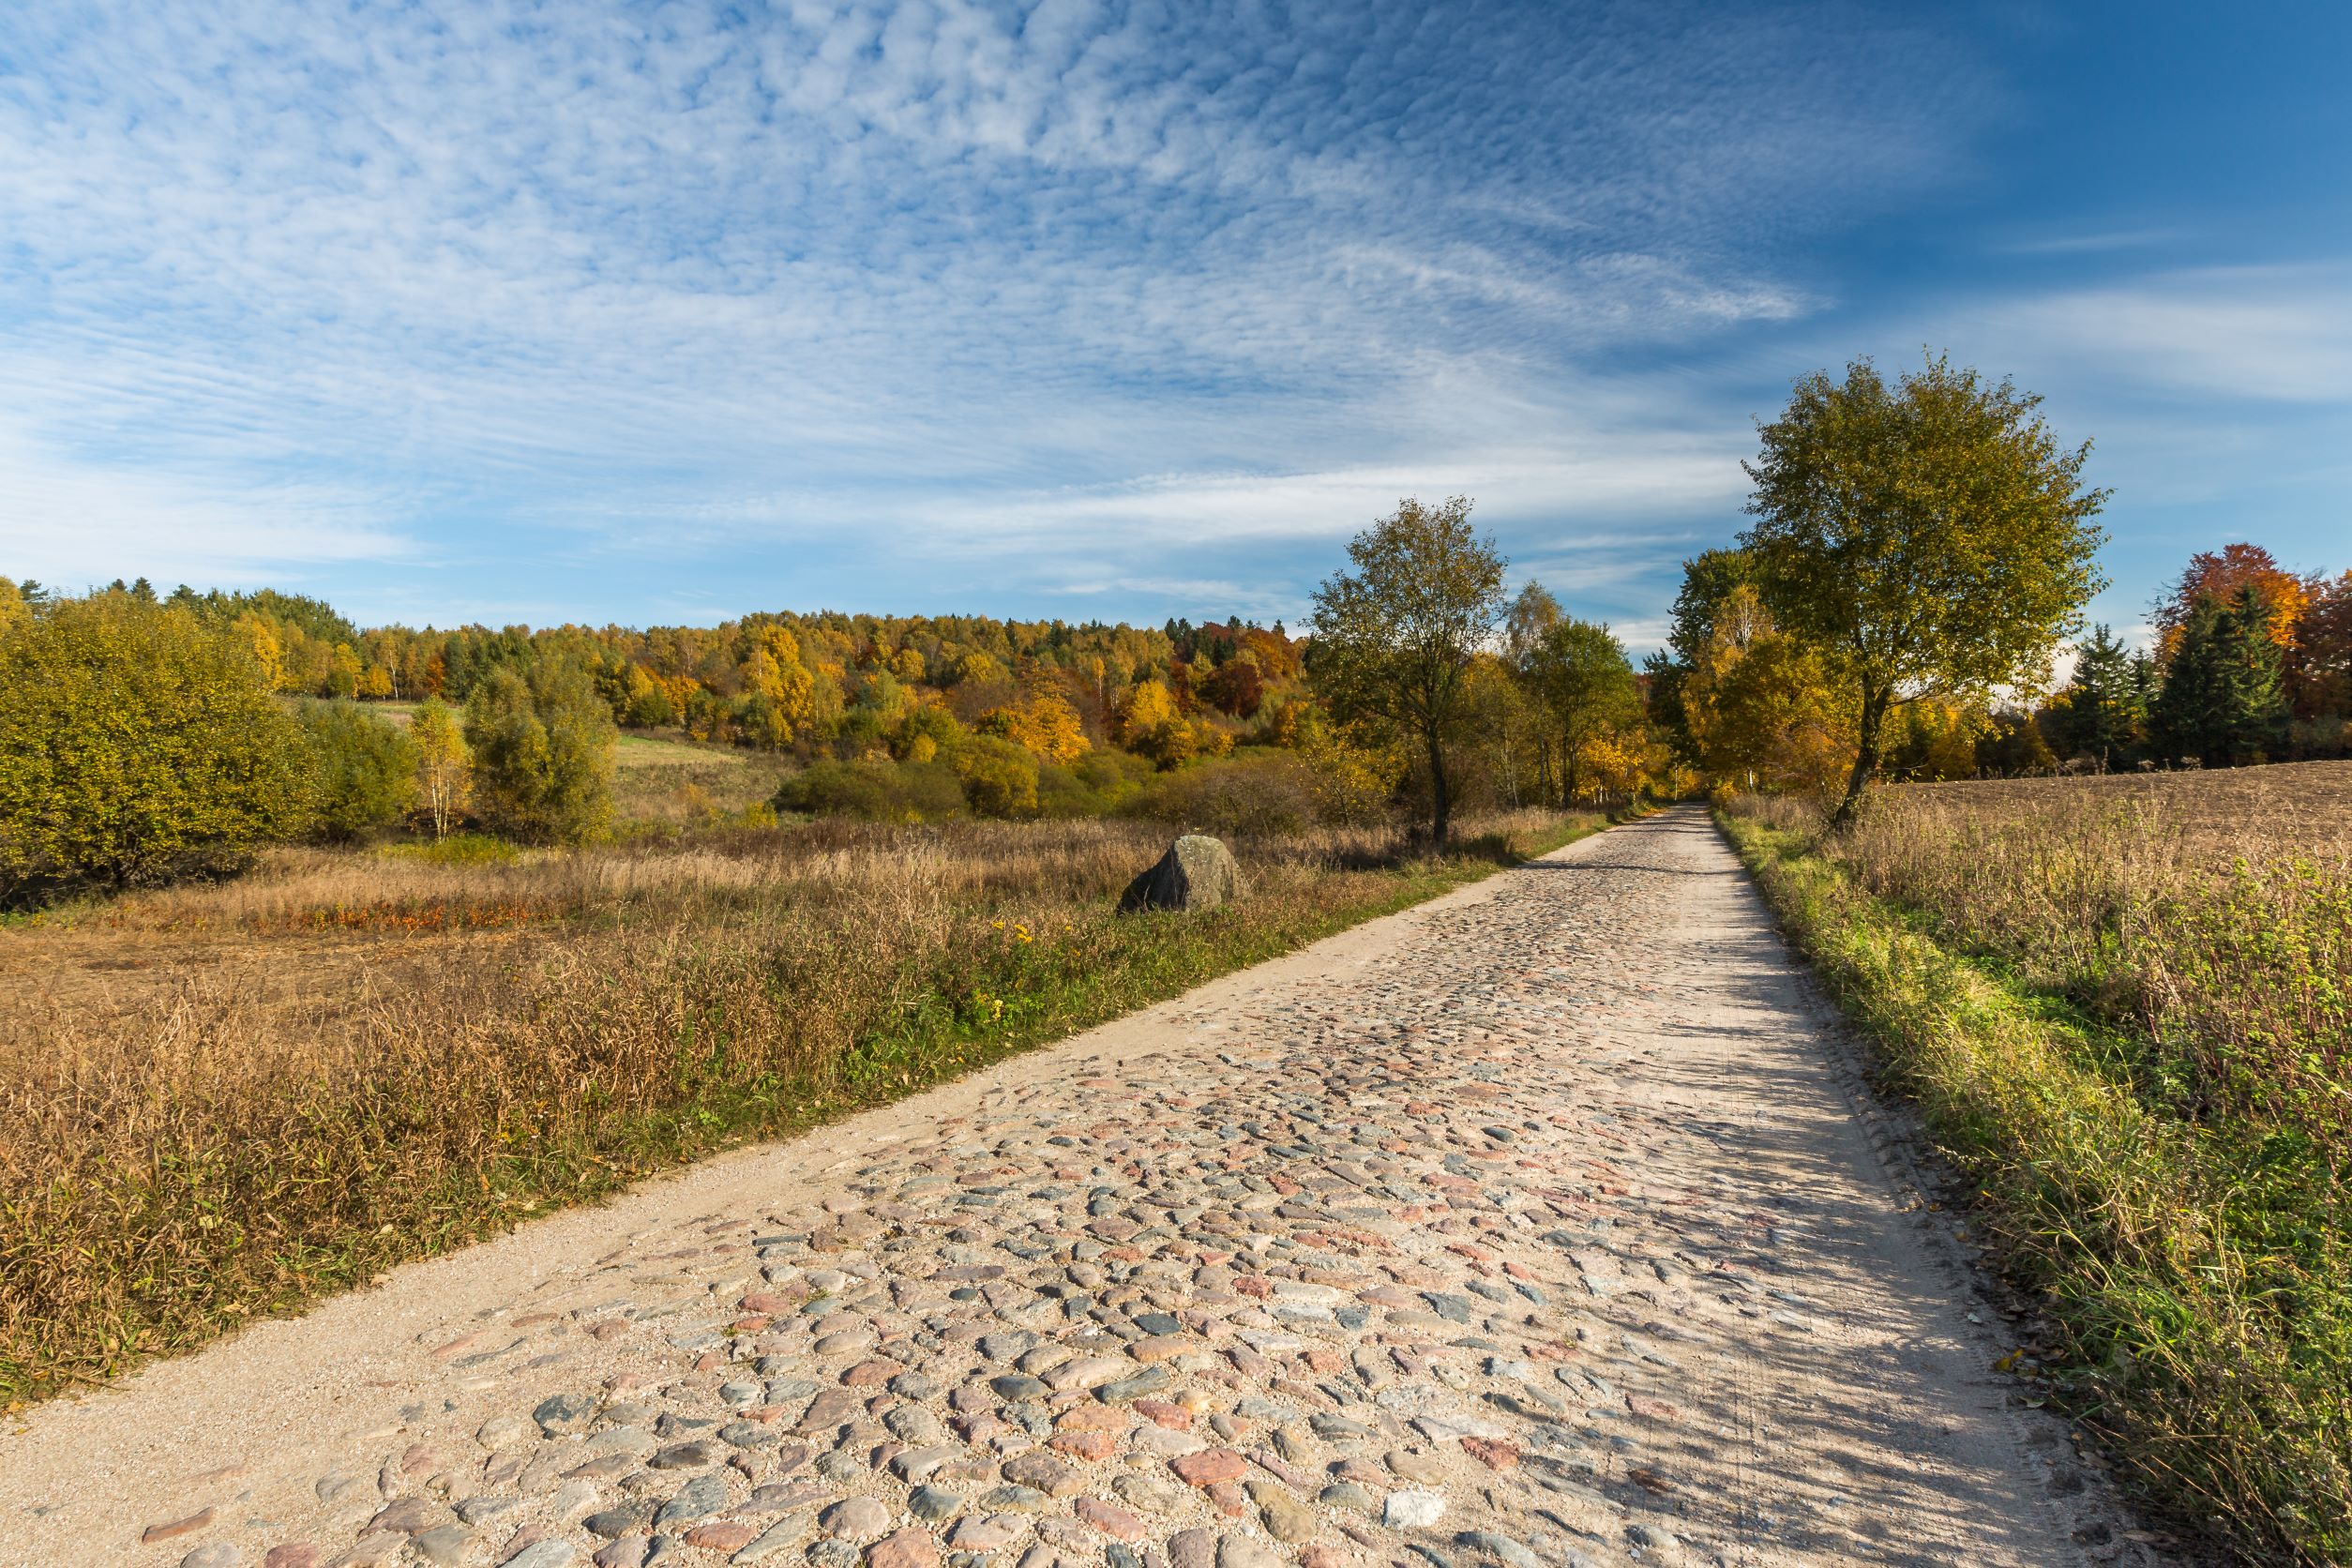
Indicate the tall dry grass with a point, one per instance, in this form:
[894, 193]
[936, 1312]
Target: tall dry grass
[2206, 915]
[310, 888]
[2123, 1006]
[183, 1148]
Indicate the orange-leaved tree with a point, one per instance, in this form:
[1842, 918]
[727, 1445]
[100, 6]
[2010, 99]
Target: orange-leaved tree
[2221, 576]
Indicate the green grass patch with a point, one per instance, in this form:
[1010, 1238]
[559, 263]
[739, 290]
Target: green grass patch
[458, 849]
[635, 750]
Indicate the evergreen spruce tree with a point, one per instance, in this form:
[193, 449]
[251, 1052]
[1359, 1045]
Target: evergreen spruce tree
[2257, 680]
[2223, 699]
[2106, 713]
[2190, 717]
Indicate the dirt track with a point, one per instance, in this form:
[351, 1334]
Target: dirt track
[1541, 1223]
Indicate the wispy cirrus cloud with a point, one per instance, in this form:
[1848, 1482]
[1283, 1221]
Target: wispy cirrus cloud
[2275, 333]
[177, 527]
[2089, 243]
[522, 286]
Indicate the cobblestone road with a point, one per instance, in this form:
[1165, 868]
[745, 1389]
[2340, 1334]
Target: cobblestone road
[1536, 1225]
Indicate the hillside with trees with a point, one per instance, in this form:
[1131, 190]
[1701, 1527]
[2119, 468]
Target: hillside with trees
[180, 732]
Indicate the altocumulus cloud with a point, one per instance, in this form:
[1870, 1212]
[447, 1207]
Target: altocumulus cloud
[1006, 302]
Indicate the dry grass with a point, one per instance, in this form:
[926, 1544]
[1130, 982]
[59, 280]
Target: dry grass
[2209, 915]
[673, 785]
[217, 1102]
[2126, 1006]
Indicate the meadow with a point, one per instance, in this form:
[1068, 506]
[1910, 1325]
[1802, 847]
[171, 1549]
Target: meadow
[669, 783]
[2124, 1006]
[220, 1100]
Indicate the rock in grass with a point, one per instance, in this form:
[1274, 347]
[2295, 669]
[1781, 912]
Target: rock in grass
[1196, 873]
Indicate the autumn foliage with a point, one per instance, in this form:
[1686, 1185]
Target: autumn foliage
[1911, 584]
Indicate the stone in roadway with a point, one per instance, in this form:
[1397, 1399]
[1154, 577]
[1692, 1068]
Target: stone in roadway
[1543, 1223]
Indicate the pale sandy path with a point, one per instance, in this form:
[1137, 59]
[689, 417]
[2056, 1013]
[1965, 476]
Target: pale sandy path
[1534, 1226]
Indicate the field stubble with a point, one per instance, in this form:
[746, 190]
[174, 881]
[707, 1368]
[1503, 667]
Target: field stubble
[2125, 1005]
[218, 1102]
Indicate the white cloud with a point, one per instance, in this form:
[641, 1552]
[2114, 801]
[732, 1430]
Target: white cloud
[323, 285]
[2270, 333]
[71, 522]
[1663, 476]
[2089, 244]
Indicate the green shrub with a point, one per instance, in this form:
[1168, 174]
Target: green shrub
[861, 731]
[999, 777]
[136, 743]
[1262, 795]
[1062, 795]
[876, 791]
[364, 769]
[459, 849]
[927, 733]
[1112, 776]
[983, 776]
[543, 752]
[652, 708]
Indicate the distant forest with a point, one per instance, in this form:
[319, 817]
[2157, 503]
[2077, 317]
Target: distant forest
[1841, 643]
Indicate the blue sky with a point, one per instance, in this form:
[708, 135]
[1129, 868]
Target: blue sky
[654, 313]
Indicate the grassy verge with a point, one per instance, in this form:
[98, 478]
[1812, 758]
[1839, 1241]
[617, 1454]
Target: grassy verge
[179, 1163]
[2197, 1271]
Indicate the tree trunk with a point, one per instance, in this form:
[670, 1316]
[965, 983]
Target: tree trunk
[1874, 717]
[1440, 808]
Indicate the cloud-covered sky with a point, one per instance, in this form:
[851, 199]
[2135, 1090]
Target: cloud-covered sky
[508, 310]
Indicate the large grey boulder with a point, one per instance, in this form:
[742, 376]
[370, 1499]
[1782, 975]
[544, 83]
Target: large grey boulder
[1196, 873]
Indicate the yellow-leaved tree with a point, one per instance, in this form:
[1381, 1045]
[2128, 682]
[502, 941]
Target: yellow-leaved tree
[1761, 709]
[444, 769]
[1609, 765]
[775, 688]
[1046, 725]
[980, 670]
[826, 702]
[1147, 705]
[268, 651]
[1151, 725]
[136, 743]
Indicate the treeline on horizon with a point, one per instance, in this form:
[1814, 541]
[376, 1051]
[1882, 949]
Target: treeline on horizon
[2251, 663]
[716, 683]
[281, 713]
